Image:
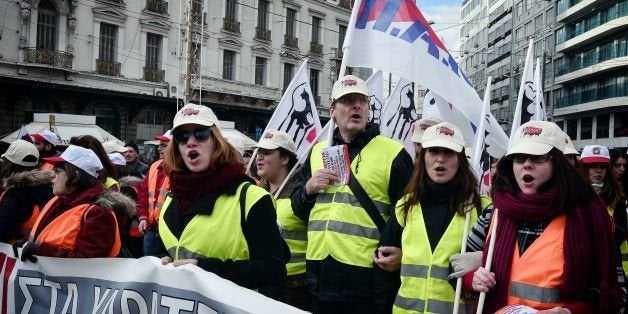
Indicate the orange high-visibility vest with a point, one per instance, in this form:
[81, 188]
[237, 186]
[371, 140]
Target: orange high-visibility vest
[25, 227]
[64, 229]
[535, 276]
[47, 166]
[156, 197]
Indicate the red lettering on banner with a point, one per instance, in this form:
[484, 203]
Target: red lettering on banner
[6, 267]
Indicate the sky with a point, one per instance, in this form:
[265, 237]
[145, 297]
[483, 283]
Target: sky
[446, 17]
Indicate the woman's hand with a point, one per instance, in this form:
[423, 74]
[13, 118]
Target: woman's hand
[483, 280]
[388, 258]
[166, 260]
[180, 262]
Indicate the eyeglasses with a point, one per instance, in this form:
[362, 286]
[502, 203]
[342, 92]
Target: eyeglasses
[348, 100]
[201, 135]
[537, 159]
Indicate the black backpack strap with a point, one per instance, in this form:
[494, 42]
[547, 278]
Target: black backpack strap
[366, 202]
[245, 187]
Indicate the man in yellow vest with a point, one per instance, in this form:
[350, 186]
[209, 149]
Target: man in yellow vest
[344, 229]
[150, 197]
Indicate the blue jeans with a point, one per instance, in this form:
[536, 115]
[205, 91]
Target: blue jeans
[151, 242]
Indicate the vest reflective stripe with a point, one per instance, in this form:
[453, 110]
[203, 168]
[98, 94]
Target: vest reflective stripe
[535, 276]
[109, 182]
[338, 225]
[24, 229]
[224, 221]
[348, 198]
[63, 230]
[156, 203]
[344, 228]
[294, 231]
[424, 273]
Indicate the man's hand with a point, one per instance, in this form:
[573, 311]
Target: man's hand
[388, 258]
[464, 263]
[322, 179]
[142, 226]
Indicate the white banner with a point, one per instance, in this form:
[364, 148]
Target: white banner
[526, 106]
[120, 285]
[400, 114]
[375, 84]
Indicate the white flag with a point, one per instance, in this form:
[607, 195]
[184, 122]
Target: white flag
[375, 84]
[393, 35]
[400, 114]
[539, 104]
[296, 113]
[526, 106]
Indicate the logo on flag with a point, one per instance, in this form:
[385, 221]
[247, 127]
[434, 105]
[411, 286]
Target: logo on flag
[375, 84]
[403, 113]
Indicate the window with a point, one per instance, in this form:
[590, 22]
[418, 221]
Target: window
[231, 8]
[316, 29]
[291, 20]
[262, 14]
[342, 32]
[314, 83]
[601, 130]
[228, 64]
[621, 124]
[538, 22]
[561, 124]
[572, 129]
[586, 128]
[260, 71]
[46, 26]
[287, 74]
[519, 8]
[107, 50]
[153, 51]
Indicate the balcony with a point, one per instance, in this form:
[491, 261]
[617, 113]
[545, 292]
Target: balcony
[108, 68]
[346, 4]
[231, 25]
[262, 34]
[290, 41]
[581, 38]
[51, 57]
[569, 10]
[316, 48]
[594, 66]
[154, 75]
[157, 6]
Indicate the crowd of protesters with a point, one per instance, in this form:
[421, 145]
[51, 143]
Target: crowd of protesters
[389, 238]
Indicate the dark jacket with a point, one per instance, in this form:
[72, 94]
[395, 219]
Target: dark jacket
[330, 280]
[23, 191]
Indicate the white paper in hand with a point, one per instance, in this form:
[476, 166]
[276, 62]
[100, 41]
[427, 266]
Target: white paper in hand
[337, 158]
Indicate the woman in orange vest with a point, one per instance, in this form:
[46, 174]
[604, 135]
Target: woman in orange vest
[79, 221]
[554, 248]
[26, 191]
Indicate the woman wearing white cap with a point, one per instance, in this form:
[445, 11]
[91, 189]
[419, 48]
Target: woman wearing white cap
[214, 217]
[553, 245]
[25, 191]
[275, 158]
[429, 221]
[596, 167]
[79, 221]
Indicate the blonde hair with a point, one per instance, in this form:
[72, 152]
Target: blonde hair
[223, 154]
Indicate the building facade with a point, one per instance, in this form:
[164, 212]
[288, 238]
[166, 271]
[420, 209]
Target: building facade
[126, 61]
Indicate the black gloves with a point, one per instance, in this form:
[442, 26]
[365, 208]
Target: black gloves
[28, 250]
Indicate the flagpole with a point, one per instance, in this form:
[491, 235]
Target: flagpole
[479, 138]
[489, 259]
[537, 92]
[463, 249]
[516, 122]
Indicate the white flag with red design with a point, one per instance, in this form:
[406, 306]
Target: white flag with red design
[296, 113]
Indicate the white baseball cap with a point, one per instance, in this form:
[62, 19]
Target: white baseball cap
[570, 148]
[83, 158]
[113, 147]
[47, 136]
[195, 114]
[234, 141]
[595, 153]
[22, 153]
[166, 137]
[445, 135]
[274, 139]
[537, 138]
[117, 159]
[420, 127]
[349, 84]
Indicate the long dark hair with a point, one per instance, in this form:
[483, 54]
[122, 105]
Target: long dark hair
[571, 186]
[611, 192]
[465, 184]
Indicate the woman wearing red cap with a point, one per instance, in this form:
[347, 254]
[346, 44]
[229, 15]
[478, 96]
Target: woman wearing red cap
[79, 221]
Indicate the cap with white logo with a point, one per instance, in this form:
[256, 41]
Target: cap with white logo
[22, 153]
[83, 158]
[444, 135]
[349, 84]
[420, 127]
[537, 138]
[195, 114]
[595, 153]
[274, 139]
[47, 136]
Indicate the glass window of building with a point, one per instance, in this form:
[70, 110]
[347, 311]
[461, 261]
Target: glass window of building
[228, 65]
[260, 71]
[601, 130]
[107, 42]
[46, 26]
[262, 14]
[287, 74]
[621, 124]
[572, 129]
[586, 128]
[153, 51]
[291, 20]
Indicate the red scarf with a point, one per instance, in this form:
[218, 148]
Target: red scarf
[588, 247]
[188, 187]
